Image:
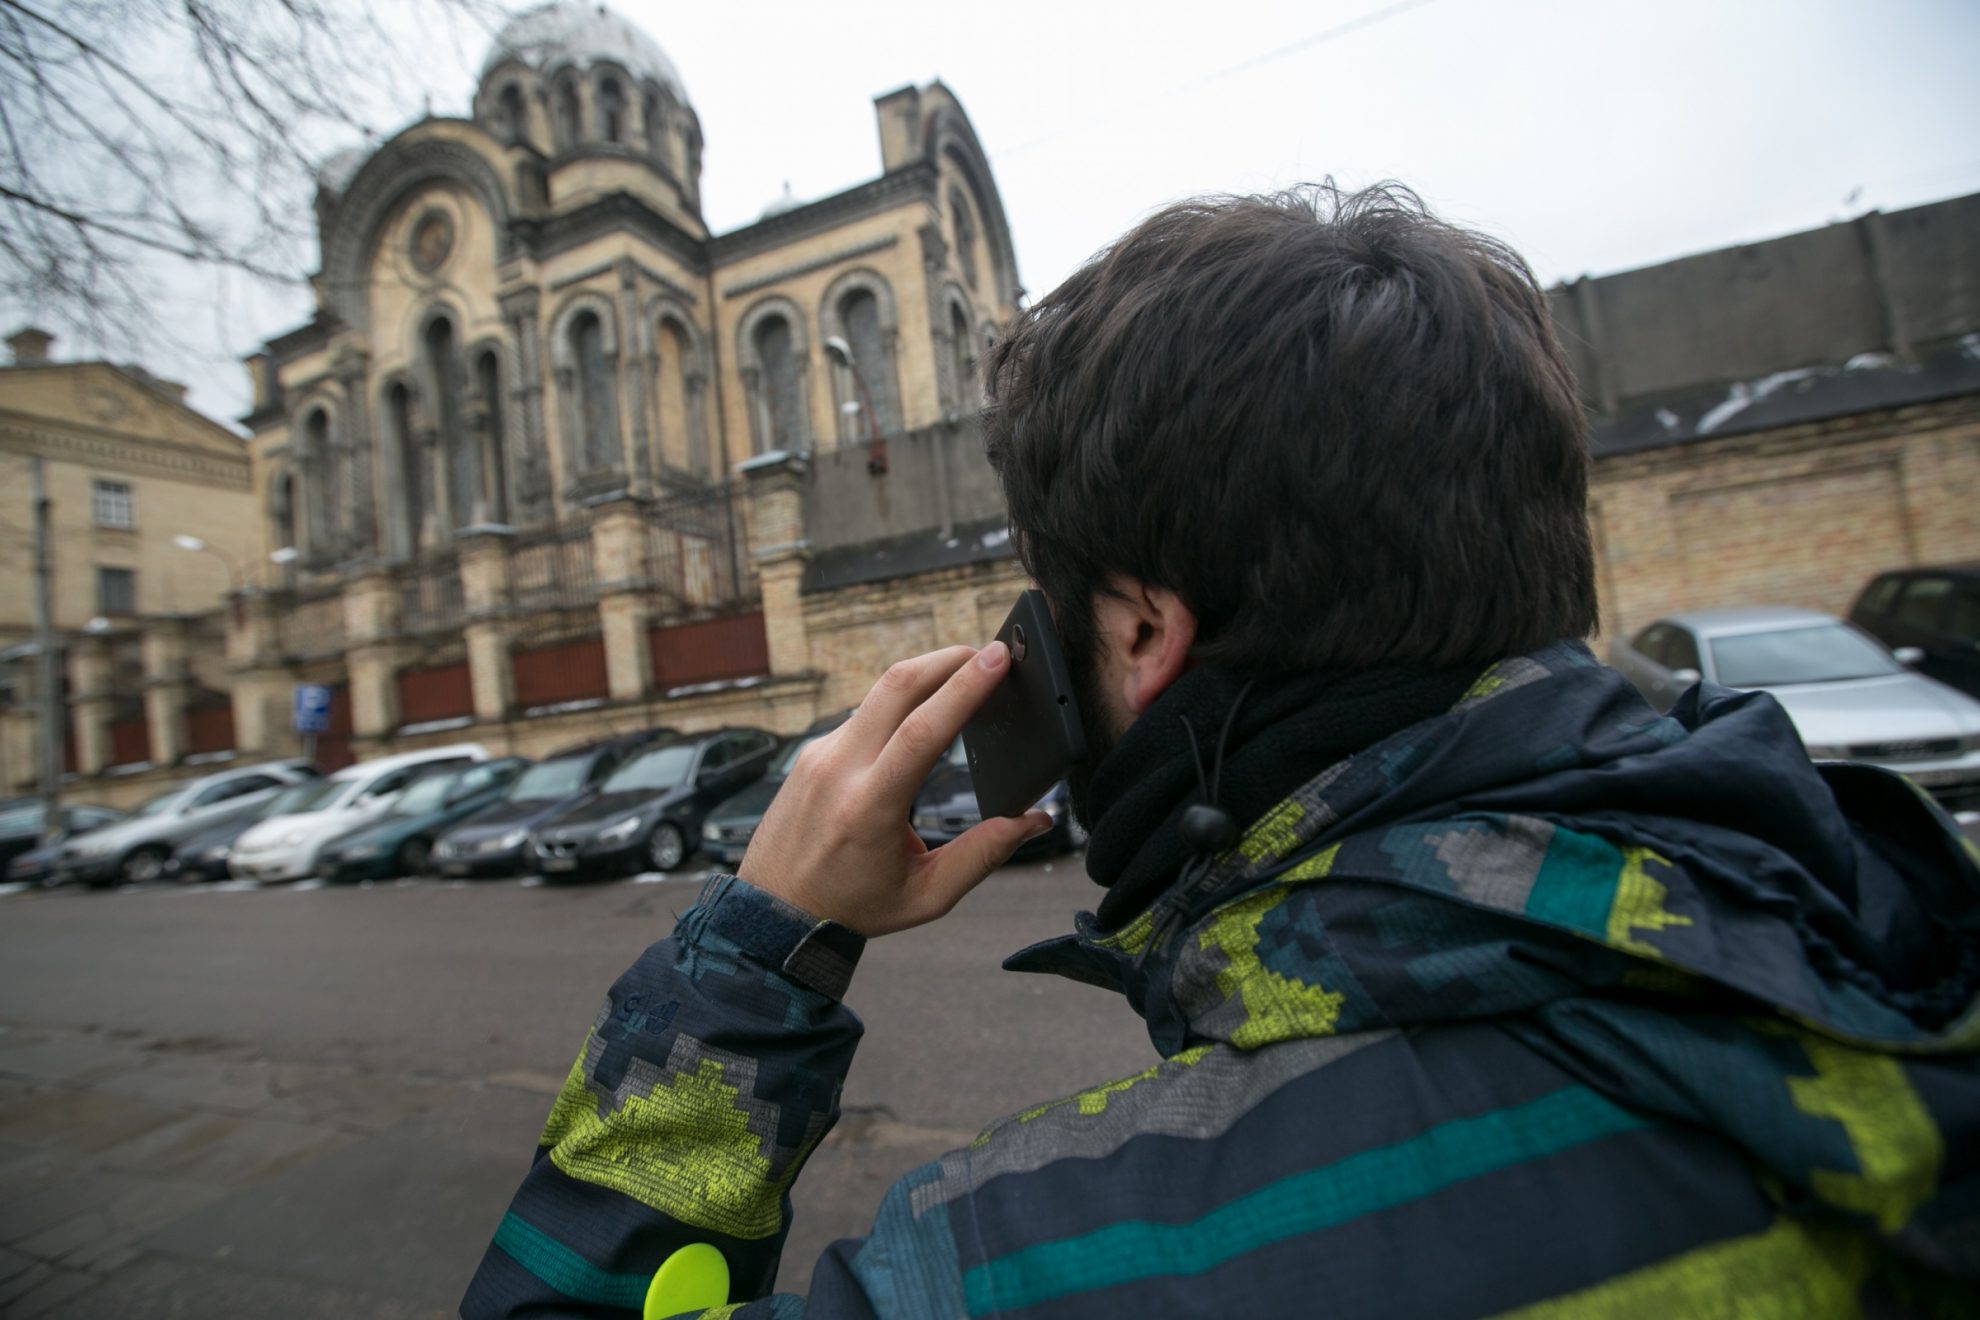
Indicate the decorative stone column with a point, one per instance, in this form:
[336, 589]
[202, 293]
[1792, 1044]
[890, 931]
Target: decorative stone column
[371, 629]
[261, 686]
[635, 369]
[167, 685]
[92, 702]
[625, 591]
[530, 463]
[779, 549]
[485, 589]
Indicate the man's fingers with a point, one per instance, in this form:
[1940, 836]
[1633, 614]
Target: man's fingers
[929, 730]
[963, 863]
[904, 686]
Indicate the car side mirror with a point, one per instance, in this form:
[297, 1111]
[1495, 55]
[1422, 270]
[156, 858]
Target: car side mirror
[1685, 677]
[1908, 656]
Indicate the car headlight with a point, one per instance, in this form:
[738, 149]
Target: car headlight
[1827, 752]
[513, 839]
[620, 832]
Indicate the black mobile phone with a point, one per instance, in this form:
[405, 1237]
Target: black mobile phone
[1028, 734]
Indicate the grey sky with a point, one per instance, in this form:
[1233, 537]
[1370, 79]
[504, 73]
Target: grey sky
[1595, 135]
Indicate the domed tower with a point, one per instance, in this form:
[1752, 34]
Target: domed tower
[571, 81]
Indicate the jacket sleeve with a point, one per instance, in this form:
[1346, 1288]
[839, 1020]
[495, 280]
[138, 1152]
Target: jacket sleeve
[712, 1072]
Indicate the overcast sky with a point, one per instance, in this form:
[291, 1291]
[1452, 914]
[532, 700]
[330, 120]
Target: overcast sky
[1595, 135]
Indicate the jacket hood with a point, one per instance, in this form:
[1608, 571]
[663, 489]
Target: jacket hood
[1679, 909]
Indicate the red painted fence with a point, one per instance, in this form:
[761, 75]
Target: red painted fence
[709, 651]
[568, 671]
[440, 692]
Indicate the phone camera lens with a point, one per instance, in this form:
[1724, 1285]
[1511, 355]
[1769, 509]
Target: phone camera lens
[1017, 642]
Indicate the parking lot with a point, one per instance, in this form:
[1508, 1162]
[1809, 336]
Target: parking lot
[309, 1100]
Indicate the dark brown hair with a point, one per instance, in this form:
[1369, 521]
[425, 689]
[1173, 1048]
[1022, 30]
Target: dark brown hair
[1340, 429]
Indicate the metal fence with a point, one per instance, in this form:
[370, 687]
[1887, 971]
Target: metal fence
[430, 596]
[310, 624]
[695, 549]
[552, 570]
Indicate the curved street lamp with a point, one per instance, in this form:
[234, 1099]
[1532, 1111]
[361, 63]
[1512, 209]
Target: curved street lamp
[876, 448]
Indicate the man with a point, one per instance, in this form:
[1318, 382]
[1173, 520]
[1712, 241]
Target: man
[1509, 996]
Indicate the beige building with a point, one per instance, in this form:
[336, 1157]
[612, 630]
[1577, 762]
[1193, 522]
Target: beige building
[551, 460]
[129, 469]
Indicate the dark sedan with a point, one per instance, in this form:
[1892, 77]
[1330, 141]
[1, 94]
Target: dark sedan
[400, 841]
[1931, 618]
[725, 835]
[647, 814]
[495, 840]
[20, 826]
[946, 807]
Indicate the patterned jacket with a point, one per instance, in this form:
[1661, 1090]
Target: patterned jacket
[1549, 1006]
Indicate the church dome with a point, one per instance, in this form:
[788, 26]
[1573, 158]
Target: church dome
[573, 34]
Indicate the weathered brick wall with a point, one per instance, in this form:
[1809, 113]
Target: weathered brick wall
[1798, 516]
[855, 633]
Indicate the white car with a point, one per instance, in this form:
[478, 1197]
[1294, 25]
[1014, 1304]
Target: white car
[287, 847]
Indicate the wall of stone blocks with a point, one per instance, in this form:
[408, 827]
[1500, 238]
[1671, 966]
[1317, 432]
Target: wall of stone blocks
[855, 633]
[1798, 516]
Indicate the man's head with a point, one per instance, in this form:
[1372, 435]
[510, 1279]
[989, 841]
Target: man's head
[1322, 430]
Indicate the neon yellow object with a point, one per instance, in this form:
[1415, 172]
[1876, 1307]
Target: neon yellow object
[695, 1278]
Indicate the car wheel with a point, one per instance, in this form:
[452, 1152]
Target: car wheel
[412, 855]
[144, 866]
[667, 848]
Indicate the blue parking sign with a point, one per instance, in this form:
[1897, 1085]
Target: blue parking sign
[312, 708]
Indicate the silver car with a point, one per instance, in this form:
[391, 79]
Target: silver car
[136, 849]
[1849, 698]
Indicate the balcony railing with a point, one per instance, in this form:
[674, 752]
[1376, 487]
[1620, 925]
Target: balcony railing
[552, 570]
[695, 550]
[430, 596]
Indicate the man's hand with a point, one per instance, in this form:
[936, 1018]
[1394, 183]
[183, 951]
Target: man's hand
[836, 840]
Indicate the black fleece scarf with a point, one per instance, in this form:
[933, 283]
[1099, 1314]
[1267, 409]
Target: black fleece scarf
[1288, 729]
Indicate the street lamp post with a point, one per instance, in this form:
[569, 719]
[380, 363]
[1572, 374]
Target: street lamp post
[876, 448]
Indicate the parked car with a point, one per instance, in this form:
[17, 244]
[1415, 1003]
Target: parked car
[401, 841]
[288, 847]
[946, 807]
[1849, 697]
[20, 826]
[136, 850]
[204, 856]
[732, 823]
[495, 840]
[1934, 610]
[646, 814]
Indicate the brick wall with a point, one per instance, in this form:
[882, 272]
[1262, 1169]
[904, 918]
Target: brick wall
[1798, 516]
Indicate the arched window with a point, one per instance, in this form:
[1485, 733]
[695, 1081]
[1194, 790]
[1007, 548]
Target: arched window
[320, 479]
[282, 514]
[568, 117]
[965, 229]
[678, 447]
[494, 458]
[611, 110]
[597, 387]
[783, 404]
[969, 394]
[412, 486]
[654, 125]
[859, 313]
[514, 116]
[443, 372]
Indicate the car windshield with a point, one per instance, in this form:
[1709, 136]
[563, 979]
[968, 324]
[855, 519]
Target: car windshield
[428, 794]
[1825, 653]
[160, 804]
[285, 801]
[550, 779]
[21, 820]
[313, 796]
[788, 757]
[665, 767]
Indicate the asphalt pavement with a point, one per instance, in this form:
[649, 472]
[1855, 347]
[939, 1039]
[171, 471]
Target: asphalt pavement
[311, 1101]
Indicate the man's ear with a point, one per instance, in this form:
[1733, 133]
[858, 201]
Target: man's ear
[1149, 632]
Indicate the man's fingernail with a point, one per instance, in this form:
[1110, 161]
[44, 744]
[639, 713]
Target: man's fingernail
[993, 656]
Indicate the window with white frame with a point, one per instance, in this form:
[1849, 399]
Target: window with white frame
[113, 504]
